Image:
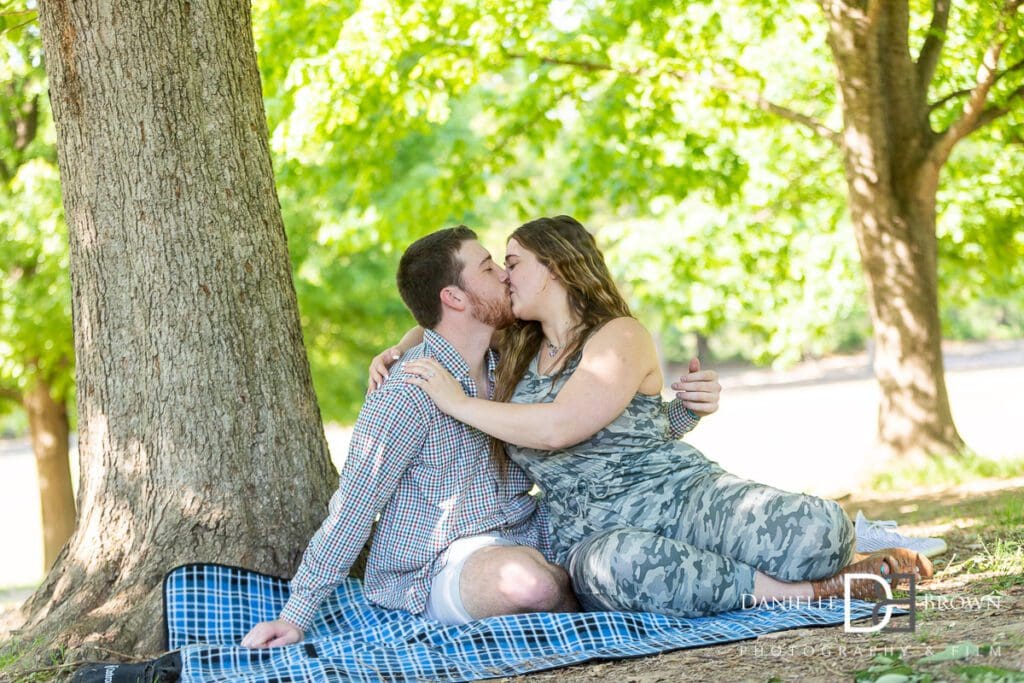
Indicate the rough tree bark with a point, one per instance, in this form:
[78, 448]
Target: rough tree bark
[48, 432]
[893, 159]
[199, 432]
[886, 136]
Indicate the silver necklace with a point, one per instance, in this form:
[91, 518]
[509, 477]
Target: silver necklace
[552, 349]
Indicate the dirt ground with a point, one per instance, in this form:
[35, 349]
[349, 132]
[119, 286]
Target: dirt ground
[965, 606]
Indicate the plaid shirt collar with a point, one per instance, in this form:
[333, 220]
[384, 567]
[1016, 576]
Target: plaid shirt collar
[440, 348]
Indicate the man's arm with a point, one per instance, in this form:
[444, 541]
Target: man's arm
[390, 431]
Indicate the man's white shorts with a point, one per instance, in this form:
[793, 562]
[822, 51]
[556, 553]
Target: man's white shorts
[444, 603]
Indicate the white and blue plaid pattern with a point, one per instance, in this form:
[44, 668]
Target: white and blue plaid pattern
[208, 608]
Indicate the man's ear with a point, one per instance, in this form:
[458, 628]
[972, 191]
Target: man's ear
[454, 298]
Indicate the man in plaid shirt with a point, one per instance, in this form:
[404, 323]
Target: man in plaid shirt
[455, 540]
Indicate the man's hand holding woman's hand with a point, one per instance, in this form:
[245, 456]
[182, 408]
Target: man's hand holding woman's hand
[272, 634]
[699, 390]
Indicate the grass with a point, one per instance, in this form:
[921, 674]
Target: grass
[946, 470]
[986, 532]
[986, 539]
[1011, 513]
[893, 669]
[13, 669]
[995, 569]
[999, 562]
[979, 578]
[1001, 558]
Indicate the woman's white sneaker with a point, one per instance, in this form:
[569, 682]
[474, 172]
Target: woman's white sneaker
[874, 535]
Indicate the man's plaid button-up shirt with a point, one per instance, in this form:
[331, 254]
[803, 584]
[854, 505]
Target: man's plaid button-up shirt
[431, 479]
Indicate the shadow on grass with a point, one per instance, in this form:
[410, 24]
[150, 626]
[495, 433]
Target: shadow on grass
[984, 531]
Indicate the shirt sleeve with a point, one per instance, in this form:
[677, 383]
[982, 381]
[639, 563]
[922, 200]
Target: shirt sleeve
[680, 418]
[389, 433]
[544, 529]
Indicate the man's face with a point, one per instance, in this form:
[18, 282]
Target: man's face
[486, 286]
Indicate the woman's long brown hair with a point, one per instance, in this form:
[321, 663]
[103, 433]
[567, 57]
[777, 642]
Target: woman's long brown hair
[565, 248]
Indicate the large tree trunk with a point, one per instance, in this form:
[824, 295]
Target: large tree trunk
[892, 185]
[48, 431]
[199, 433]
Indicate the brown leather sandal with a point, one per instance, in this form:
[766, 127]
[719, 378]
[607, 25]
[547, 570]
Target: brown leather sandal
[879, 564]
[910, 562]
[884, 563]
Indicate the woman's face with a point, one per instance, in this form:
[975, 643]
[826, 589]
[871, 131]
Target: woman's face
[528, 280]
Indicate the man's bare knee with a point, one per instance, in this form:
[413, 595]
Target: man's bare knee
[518, 579]
[528, 585]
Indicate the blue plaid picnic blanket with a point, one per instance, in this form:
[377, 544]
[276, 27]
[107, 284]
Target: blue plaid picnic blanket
[209, 607]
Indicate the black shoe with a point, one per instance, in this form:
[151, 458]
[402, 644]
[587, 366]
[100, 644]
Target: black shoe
[166, 669]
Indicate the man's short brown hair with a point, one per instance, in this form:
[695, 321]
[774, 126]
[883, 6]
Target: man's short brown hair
[429, 265]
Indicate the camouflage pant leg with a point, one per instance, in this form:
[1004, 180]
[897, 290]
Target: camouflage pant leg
[789, 536]
[629, 569]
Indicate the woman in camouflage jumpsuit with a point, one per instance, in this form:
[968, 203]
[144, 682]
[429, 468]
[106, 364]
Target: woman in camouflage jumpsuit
[641, 521]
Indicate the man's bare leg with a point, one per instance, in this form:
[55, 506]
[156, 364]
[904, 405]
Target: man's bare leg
[513, 579]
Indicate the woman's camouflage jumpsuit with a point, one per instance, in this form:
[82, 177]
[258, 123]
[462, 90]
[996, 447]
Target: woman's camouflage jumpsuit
[646, 523]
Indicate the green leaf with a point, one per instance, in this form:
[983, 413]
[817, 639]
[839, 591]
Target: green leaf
[961, 650]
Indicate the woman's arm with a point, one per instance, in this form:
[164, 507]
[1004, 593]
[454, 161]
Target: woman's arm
[615, 362]
[386, 358]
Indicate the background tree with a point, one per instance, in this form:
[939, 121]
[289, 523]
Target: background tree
[36, 355]
[197, 417]
[721, 217]
[897, 137]
[646, 113]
